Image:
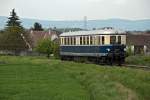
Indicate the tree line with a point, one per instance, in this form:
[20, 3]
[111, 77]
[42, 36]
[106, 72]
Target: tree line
[16, 39]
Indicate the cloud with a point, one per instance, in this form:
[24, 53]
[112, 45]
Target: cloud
[76, 9]
[95, 0]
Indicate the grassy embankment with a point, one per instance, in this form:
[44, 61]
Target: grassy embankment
[139, 60]
[29, 78]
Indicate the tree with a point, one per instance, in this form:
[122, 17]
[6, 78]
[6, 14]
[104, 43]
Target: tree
[12, 38]
[37, 27]
[45, 46]
[13, 20]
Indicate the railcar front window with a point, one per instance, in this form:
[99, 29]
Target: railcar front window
[112, 39]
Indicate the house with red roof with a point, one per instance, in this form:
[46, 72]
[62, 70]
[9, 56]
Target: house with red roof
[38, 35]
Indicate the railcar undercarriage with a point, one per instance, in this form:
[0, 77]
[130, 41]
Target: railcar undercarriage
[109, 59]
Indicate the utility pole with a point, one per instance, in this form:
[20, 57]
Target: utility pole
[85, 22]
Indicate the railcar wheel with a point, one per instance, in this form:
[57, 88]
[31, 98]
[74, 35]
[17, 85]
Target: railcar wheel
[119, 60]
[61, 58]
[109, 61]
[103, 60]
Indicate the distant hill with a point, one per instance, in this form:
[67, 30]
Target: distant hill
[131, 25]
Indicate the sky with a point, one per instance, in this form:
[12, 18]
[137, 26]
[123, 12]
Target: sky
[77, 9]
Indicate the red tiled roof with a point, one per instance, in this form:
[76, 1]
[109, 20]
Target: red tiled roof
[38, 35]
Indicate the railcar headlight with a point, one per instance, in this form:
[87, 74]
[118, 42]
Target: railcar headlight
[108, 49]
[125, 49]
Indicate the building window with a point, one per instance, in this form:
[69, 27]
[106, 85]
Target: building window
[112, 39]
[80, 40]
[103, 40]
[119, 39]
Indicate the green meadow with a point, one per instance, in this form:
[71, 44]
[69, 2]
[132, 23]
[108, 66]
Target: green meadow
[38, 78]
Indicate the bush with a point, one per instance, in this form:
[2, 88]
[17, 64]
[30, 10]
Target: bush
[48, 47]
[129, 51]
[44, 46]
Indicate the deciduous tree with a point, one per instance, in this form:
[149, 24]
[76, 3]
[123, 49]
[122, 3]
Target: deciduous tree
[45, 46]
[37, 27]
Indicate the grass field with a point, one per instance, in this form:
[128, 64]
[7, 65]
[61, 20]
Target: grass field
[30, 78]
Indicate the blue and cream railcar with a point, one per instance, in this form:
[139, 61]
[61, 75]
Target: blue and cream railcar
[105, 44]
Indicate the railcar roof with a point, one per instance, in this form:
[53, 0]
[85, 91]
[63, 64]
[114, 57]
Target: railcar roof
[93, 32]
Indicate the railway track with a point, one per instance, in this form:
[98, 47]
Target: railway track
[147, 68]
[137, 67]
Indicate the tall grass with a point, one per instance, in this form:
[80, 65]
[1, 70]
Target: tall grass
[139, 60]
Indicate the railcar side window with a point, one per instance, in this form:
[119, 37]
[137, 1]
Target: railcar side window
[87, 40]
[84, 40]
[112, 39]
[103, 40]
[119, 39]
[71, 38]
[68, 41]
[65, 40]
[80, 40]
[99, 40]
[91, 40]
[74, 40]
[61, 41]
